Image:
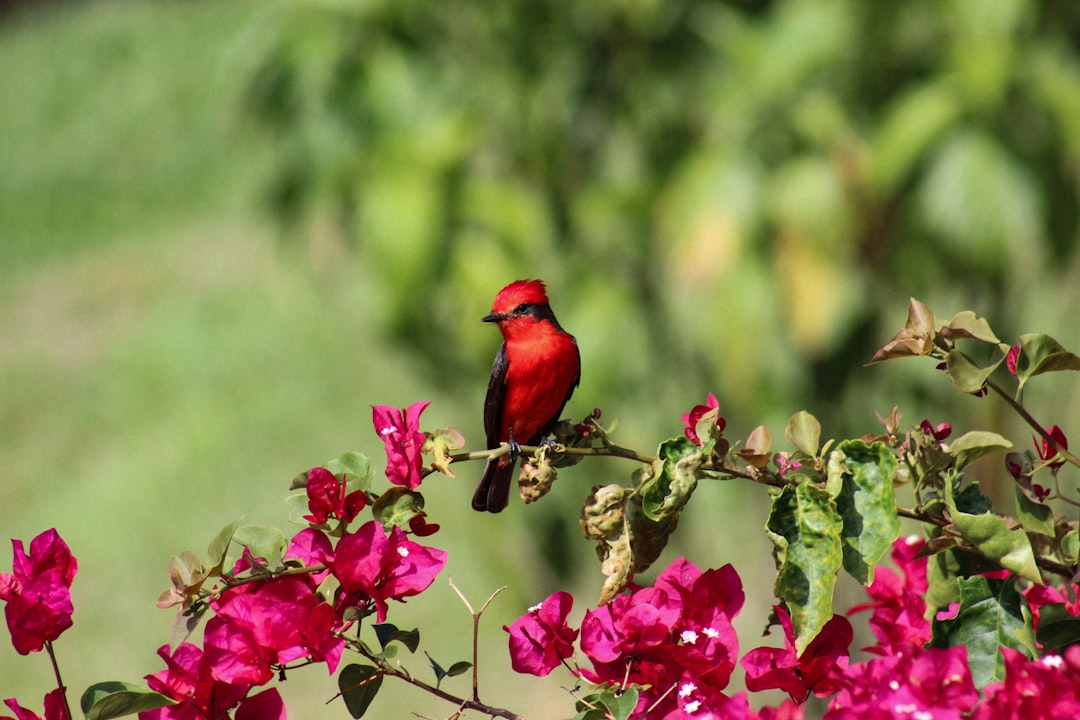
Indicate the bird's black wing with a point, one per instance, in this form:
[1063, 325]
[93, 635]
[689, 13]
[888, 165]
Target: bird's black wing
[493, 403]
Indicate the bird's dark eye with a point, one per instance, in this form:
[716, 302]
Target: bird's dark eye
[521, 309]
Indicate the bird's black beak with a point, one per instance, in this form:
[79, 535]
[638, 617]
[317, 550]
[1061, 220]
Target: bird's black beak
[493, 317]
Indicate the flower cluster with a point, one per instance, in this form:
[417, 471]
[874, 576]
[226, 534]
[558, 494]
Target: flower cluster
[674, 640]
[909, 679]
[262, 623]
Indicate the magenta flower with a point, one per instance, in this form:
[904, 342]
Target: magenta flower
[1044, 688]
[692, 418]
[55, 708]
[939, 432]
[327, 496]
[677, 633]
[818, 670]
[265, 624]
[400, 431]
[541, 639]
[898, 602]
[1011, 357]
[1040, 595]
[1047, 451]
[925, 682]
[38, 592]
[385, 567]
[188, 679]
[312, 547]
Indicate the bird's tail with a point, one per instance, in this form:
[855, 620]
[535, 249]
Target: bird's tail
[493, 493]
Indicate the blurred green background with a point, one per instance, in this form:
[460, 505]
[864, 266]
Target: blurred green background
[227, 229]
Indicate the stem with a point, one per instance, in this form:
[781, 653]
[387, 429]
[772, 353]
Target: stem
[1022, 412]
[56, 672]
[476, 632]
[462, 703]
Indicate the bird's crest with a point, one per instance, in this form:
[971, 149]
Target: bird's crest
[520, 292]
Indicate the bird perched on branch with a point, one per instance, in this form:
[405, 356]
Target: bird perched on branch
[535, 373]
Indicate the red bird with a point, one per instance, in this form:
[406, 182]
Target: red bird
[535, 373]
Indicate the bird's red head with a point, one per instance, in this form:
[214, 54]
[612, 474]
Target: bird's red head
[520, 292]
[521, 306]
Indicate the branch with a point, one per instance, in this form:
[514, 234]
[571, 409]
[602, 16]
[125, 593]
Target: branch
[462, 703]
[556, 450]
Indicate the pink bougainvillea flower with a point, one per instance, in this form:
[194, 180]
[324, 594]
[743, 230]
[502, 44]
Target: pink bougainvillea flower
[692, 418]
[328, 496]
[420, 527]
[818, 670]
[925, 682]
[187, 679]
[264, 624]
[897, 601]
[677, 633]
[1040, 595]
[1011, 357]
[266, 705]
[540, 639]
[400, 431]
[939, 432]
[38, 592]
[1047, 451]
[385, 567]
[55, 708]
[311, 547]
[1045, 688]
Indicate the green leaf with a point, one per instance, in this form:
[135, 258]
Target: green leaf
[972, 501]
[440, 673]
[219, 546]
[805, 528]
[941, 576]
[973, 445]
[993, 537]
[1034, 516]
[358, 685]
[866, 503]
[264, 541]
[356, 467]
[115, 699]
[388, 633]
[667, 492]
[804, 432]
[1057, 628]
[618, 705]
[459, 668]
[966, 376]
[1070, 546]
[1041, 353]
[397, 506]
[990, 617]
[966, 325]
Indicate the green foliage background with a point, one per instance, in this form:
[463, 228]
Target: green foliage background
[227, 229]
